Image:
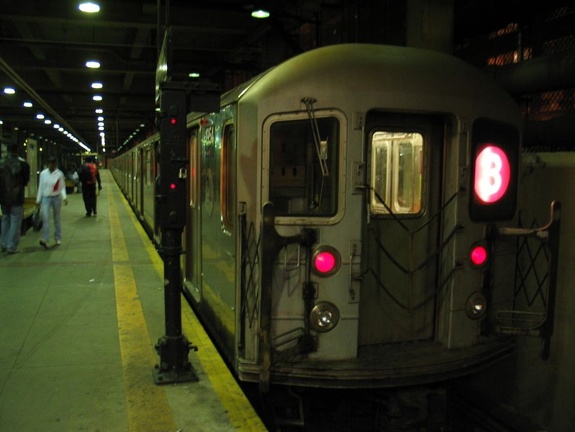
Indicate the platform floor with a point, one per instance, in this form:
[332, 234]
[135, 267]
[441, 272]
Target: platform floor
[78, 326]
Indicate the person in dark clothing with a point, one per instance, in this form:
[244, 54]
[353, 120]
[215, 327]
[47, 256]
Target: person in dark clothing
[90, 176]
[14, 177]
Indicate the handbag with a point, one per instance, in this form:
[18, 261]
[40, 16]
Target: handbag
[37, 220]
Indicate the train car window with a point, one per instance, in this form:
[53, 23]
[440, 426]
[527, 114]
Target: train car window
[227, 176]
[303, 173]
[396, 172]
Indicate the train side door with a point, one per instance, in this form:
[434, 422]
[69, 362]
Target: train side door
[401, 237]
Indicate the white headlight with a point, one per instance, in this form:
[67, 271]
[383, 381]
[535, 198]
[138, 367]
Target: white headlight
[324, 316]
[476, 306]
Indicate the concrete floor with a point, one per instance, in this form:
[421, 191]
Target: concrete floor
[79, 324]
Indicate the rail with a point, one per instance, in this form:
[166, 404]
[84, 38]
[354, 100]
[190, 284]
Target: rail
[535, 281]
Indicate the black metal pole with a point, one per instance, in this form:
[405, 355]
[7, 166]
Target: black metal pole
[173, 347]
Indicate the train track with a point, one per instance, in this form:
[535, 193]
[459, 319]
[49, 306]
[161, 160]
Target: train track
[408, 410]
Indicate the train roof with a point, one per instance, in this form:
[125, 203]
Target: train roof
[433, 78]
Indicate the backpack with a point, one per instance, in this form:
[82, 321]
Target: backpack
[11, 183]
[87, 173]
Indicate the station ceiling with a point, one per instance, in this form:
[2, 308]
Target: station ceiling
[44, 46]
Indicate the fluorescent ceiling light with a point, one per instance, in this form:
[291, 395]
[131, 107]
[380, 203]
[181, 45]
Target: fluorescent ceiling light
[89, 7]
[260, 13]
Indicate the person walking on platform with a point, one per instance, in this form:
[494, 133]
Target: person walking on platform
[14, 177]
[51, 193]
[89, 176]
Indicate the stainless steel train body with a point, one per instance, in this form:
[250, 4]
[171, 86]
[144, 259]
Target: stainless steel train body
[335, 203]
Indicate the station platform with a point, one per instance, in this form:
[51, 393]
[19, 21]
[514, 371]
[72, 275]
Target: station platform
[79, 322]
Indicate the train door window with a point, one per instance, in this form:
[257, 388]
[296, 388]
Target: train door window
[193, 141]
[303, 167]
[396, 172]
[227, 176]
[148, 176]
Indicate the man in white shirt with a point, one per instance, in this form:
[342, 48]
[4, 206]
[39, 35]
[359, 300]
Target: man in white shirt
[51, 193]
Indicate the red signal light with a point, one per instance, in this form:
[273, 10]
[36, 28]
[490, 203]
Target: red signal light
[478, 255]
[173, 186]
[326, 261]
[173, 121]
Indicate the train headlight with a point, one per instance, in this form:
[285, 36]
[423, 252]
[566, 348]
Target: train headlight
[476, 306]
[478, 255]
[324, 316]
[326, 261]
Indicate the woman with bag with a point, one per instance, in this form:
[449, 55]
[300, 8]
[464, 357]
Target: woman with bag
[51, 193]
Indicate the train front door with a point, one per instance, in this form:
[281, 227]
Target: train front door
[404, 174]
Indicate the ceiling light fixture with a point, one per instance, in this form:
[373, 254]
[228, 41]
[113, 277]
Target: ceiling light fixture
[97, 85]
[89, 7]
[9, 90]
[97, 98]
[93, 64]
[260, 13]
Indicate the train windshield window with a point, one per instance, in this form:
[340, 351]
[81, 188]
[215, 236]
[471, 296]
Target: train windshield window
[303, 169]
[396, 172]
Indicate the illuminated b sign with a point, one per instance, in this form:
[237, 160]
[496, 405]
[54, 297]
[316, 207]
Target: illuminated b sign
[494, 170]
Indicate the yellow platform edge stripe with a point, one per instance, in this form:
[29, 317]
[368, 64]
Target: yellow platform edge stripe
[239, 410]
[146, 403]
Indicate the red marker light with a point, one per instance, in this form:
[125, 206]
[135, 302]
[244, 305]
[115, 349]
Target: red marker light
[326, 261]
[173, 186]
[492, 174]
[173, 121]
[478, 255]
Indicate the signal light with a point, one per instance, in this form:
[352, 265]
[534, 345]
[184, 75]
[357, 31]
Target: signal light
[173, 186]
[173, 121]
[326, 261]
[478, 255]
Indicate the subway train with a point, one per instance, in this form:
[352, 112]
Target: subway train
[349, 215]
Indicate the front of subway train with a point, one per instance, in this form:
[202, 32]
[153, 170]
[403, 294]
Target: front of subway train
[388, 176]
